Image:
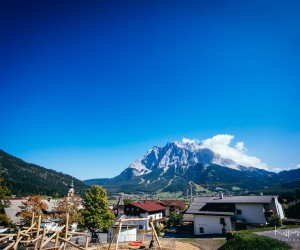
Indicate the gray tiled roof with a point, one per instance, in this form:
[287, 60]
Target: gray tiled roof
[197, 205]
[215, 213]
[201, 202]
[13, 209]
[243, 199]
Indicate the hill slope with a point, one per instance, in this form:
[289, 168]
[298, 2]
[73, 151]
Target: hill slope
[29, 179]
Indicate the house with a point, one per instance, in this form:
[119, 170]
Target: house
[128, 230]
[215, 215]
[14, 207]
[177, 206]
[14, 204]
[147, 209]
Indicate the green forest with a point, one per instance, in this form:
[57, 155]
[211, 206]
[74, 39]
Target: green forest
[24, 179]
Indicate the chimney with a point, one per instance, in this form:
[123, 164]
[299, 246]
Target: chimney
[221, 195]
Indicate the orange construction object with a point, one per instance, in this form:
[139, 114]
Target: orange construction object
[135, 243]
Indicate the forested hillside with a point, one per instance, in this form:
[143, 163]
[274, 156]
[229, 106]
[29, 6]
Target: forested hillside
[23, 178]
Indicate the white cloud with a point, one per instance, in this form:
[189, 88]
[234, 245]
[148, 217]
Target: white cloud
[220, 144]
[193, 141]
[297, 166]
[277, 169]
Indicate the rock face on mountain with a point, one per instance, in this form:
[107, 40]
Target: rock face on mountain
[172, 167]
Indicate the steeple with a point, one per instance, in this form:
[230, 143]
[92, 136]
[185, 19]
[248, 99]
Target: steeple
[71, 189]
[121, 205]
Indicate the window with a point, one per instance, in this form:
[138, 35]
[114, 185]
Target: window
[141, 227]
[222, 222]
[238, 211]
[201, 230]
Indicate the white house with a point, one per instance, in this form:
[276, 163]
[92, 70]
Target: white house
[128, 231]
[146, 209]
[215, 215]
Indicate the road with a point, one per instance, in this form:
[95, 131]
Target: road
[291, 236]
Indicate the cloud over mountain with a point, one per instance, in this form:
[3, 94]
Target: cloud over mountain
[220, 144]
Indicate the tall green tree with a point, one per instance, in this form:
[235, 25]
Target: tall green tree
[175, 219]
[4, 220]
[96, 215]
[294, 210]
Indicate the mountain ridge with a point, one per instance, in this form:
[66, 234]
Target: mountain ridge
[24, 178]
[172, 167]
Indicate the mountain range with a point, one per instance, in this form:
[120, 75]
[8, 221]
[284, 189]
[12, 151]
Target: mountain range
[172, 168]
[24, 178]
[177, 164]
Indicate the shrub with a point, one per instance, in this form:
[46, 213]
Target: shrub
[250, 241]
[274, 220]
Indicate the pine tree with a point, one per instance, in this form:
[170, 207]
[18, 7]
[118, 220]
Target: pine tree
[96, 215]
[4, 220]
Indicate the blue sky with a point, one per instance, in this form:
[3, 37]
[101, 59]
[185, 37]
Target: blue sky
[87, 87]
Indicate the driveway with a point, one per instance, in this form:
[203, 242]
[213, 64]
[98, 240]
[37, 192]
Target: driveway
[291, 236]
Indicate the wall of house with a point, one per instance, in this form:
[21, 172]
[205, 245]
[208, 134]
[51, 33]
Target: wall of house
[252, 213]
[210, 224]
[154, 216]
[277, 208]
[145, 224]
[173, 209]
[124, 236]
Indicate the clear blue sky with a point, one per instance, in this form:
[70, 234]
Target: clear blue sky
[87, 87]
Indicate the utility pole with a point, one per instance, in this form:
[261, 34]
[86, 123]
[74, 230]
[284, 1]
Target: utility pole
[191, 184]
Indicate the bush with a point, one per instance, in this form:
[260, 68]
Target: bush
[274, 221]
[250, 241]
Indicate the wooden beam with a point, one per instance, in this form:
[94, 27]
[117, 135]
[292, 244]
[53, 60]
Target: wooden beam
[18, 239]
[67, 228]
[154, 232]
[9, 246]
[43, 237]
[56, 239]
[48, 240]
[6, 237]
[72, 244]
[38, 232]
[86, 243]
[120, 227]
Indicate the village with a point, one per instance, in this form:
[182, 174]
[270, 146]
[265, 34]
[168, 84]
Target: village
[152, 224]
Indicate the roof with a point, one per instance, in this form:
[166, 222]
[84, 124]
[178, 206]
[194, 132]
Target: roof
[225, 205]
[167, 203]
[178, 203]
[15, 204]
[148, 206]
[125, 224]
[243, 199]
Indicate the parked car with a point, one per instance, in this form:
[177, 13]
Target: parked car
[172, 230]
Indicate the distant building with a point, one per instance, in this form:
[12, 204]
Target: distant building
[147, 209]
[177, 206]
[215, 215]
[16, 202]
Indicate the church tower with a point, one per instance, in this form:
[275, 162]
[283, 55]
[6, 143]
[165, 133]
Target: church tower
[71, 190]
[121, 205]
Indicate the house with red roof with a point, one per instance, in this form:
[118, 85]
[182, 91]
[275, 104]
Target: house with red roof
[177, 206]
[146, 209]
